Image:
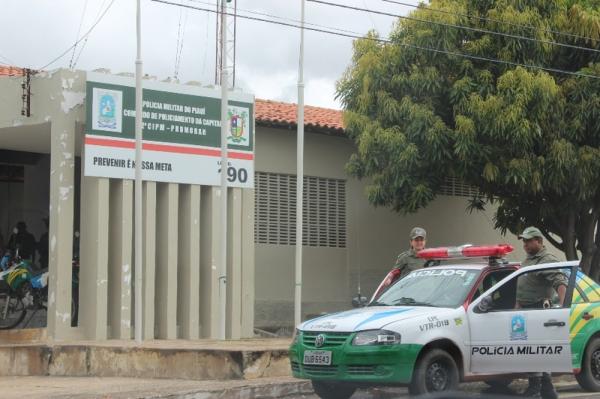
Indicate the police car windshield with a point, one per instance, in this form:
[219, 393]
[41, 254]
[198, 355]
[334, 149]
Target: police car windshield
[444, 288]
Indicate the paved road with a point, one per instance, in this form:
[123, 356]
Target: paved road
[566, 391]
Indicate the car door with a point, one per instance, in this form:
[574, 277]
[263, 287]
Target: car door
[506, 336]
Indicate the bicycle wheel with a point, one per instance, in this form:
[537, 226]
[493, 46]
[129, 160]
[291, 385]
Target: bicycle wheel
[12, 311]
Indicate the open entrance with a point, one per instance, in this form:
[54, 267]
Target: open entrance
[24, 239]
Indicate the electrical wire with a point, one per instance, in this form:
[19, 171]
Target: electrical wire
[177, 44]
[78, 32]
[531, 27]
[370, 16]
[10, 62]
[276, 17]
[205, 52]
[87, 37]
[82, 38]
[478, 30]
[380, 40]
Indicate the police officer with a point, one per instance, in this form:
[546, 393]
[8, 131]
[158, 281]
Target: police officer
[535, 290]
[23, 241]
[408, 261]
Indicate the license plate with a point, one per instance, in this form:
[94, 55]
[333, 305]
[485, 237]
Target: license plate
[317, 357]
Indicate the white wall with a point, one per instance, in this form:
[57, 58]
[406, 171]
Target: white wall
[375, 235]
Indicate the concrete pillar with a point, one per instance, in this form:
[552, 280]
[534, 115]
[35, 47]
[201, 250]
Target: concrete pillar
[234, 263]
[188, 287]
[247, 267]
[62, 162]
[209, 262]
[93, 275]
[149, 238]
[166, 256]
[120, 258]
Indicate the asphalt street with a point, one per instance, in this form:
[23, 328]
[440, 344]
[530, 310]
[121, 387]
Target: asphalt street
[566, 391]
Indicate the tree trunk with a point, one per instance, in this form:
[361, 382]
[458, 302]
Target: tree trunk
[588, 221]
[570, 237]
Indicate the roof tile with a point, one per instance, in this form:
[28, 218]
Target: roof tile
[11, 71]
[284, 114]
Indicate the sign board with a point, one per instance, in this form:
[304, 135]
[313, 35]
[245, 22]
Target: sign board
[181, 132]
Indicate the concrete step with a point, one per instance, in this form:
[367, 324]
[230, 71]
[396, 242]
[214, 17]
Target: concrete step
[188, 360]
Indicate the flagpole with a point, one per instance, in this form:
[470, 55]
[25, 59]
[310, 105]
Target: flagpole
[224, 167]
[138, 179]
[299, 177]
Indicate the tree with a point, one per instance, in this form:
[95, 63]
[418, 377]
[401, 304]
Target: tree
[528, 139]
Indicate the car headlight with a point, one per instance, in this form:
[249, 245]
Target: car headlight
[376, 337]
[295, 337]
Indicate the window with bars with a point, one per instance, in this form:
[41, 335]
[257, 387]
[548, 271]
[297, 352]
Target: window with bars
[455, 187]
[324, 210]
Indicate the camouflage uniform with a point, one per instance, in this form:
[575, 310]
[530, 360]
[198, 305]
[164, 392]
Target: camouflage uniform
[408, 261]
[534, 288]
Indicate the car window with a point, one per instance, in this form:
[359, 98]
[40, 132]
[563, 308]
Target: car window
[430, 287]
[489, 281]
[537, 289]
[579, 296]
[588, 286]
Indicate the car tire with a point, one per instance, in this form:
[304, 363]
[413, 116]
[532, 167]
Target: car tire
[436, 371]
[332, 390]
[589, 376]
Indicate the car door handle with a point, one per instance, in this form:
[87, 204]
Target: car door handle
[554, 323]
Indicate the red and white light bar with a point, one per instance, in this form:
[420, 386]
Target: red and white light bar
[466, 251]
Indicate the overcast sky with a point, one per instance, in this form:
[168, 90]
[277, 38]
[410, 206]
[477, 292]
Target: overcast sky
[34, 32]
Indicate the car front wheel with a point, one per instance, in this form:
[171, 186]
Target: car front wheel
[332, 390]
[436, 371]
[589, 376]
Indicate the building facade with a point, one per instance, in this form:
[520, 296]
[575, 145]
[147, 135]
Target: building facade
[347, 242]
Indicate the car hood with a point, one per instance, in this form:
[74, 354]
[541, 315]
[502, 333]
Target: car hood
[369, 318]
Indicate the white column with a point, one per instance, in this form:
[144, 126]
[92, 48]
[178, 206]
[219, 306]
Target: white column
[209, 262]
[60, 237]
[149, 273]
[188, 293]
[234, 264]
[120, 268]
[93, 281]
[166, 260]
[247, 258]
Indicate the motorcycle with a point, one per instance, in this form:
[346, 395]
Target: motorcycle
[22, 289]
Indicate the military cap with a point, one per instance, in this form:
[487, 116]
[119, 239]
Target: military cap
[418, 232]
[530, 232]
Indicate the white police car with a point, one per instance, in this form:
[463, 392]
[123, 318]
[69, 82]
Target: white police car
[459, 322]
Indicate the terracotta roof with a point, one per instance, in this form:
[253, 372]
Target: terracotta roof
[275, 113]
[11, 71]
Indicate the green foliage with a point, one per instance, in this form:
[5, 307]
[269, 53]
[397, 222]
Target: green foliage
[529, 140]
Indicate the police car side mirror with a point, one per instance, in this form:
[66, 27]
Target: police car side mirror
[485, 305]
[359, 301]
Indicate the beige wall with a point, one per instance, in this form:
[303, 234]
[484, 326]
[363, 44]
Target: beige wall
[375, 235]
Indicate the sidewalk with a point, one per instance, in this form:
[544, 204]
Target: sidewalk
[134, 388]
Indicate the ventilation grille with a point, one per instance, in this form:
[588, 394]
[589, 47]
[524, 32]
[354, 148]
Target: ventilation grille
[455, 187]
[324, 210]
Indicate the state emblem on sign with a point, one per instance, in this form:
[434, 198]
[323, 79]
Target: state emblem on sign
[239, 121]
[107, 110]
[518, 328]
